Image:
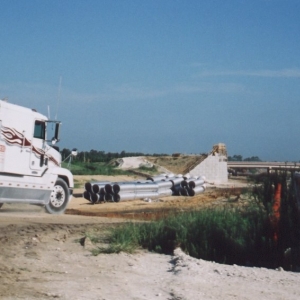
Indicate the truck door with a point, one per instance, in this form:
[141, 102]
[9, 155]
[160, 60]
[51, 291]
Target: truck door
[38, 160]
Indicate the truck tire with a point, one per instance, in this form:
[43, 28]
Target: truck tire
[1, 205]
[59, 198]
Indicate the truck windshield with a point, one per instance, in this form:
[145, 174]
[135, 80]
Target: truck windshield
[39, 130]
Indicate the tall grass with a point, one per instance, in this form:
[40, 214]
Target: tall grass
[221, 235]
[240, 236]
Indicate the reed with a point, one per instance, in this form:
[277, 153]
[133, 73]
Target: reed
[243, 236]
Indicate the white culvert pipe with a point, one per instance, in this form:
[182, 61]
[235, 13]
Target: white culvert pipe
[184, 183]
[164, 184]
[86, 195]
[126, 196]
[116, 197]
[190, 191]
[88, 186]
[142, 195]
[171, 175]
[139, 195]
[108, 197]
[157, 178]
[94, 197]
[199, 189]
[151, 187]
[177, 180]
[165, 192]
[193, 183]
[123, 187]
[108, 188]
[183, 192]
[96, 186]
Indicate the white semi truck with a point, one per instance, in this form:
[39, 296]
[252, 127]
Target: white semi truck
[30, 163]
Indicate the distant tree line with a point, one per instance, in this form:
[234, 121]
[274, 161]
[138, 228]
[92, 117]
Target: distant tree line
[101, 156]
[240, 158]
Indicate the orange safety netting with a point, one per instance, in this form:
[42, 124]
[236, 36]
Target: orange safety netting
[275, 217]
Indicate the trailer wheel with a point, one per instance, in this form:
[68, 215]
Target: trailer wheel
[59, 198]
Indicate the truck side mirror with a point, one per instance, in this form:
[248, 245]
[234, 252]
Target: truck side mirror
[74, 152]
[56, 134]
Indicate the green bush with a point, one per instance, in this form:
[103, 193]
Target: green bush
[80, 168]
[149, 170]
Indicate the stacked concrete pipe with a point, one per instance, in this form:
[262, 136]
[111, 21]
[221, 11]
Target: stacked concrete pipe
[153, 187]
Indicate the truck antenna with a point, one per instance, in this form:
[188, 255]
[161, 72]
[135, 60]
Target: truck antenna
[58, 96]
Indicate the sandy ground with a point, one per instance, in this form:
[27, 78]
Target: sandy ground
[42, 258]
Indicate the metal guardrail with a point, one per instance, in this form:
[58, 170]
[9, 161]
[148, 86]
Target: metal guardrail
[263, 165]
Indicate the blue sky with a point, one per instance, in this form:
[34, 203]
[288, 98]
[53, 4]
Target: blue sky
[159, 76]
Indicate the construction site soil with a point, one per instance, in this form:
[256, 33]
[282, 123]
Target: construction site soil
[45, 256]
[152, 209]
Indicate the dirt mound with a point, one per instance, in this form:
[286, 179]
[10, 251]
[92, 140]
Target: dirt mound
[177, 164]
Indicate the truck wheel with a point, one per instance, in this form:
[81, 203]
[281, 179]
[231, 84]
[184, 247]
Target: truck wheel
[59, 198]
[1, 205]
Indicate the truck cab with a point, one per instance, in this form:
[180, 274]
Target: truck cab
[30, 163]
